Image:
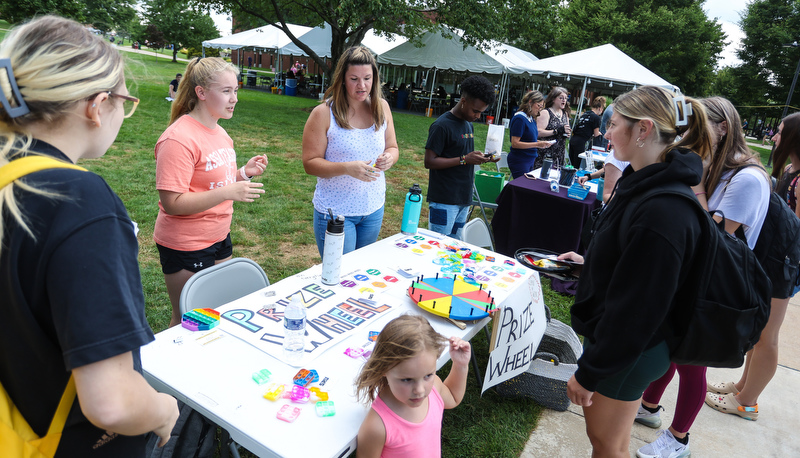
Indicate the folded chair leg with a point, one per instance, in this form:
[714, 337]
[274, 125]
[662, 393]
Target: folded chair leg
[228, 445]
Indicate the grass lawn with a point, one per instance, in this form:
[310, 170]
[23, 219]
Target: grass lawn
[276, 230]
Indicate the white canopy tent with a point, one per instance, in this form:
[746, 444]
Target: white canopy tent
[442, 53]
[604, 65]
[319, 40]
[603, 69]
[267, 37]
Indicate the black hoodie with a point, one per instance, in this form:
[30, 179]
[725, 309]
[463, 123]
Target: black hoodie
[631, 282]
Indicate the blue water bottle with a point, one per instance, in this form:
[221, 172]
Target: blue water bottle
[411, 211]
[600, 184]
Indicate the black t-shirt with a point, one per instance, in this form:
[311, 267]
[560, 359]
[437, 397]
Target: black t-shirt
[70, 297]
[450, 136]
[174, 84]
[587, 123]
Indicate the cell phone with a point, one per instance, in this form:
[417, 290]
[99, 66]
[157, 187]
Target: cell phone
[488, 154]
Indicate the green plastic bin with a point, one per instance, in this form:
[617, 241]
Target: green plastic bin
[489, 185]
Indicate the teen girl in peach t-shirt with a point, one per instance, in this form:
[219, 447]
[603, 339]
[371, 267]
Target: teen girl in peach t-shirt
[197, 178]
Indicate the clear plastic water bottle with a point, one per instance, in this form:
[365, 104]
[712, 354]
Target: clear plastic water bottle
[412, 210]
[294, 332]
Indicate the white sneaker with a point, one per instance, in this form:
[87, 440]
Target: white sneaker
[666, 446]
[647, 418]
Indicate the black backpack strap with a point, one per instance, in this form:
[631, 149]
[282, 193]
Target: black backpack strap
[670, 188]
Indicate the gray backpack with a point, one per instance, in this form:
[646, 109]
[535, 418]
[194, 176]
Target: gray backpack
[192, 437]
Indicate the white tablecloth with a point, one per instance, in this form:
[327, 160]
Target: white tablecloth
[214, 376]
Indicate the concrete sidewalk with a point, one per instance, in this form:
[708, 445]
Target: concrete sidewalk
[563, 434]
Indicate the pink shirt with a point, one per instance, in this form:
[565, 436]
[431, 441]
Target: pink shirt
[405, 439]
[190, 157]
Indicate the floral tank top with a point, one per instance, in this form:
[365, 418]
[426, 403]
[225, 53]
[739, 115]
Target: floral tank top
[557, 151]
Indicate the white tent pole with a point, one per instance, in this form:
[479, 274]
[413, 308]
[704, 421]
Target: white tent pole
[430, 97]
[324, 73]
[580, 105]
[499, 99]
[502, 92]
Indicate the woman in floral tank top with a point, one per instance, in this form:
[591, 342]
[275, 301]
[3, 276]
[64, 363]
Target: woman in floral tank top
[553, 124]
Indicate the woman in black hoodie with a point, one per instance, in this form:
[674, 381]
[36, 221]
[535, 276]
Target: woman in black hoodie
[632, 282]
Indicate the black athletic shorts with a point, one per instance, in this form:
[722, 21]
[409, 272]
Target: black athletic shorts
[629, 384]
[173, 261]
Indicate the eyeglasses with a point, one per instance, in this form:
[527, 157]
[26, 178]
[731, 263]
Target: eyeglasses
[129, 103]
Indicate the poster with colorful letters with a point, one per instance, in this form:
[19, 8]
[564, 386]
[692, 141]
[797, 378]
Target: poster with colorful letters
[332, 314]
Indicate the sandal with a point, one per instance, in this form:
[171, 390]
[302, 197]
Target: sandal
[722, 387]
[727, 403]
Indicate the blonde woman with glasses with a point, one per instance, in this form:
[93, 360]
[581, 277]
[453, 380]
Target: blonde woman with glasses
[72, 301]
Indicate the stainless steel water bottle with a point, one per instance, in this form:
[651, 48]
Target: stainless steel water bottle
[411, 210]
[332, 249]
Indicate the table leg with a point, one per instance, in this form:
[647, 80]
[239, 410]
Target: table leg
[476, 368]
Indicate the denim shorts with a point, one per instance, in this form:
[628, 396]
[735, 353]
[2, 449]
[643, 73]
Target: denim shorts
[447, 219]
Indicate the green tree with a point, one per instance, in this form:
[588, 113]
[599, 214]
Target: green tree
[767, 68]
[673, 38]
[514, 21]
[15, 11]
[105, 15]
[184, 24]
[153, 38]
[109, 15]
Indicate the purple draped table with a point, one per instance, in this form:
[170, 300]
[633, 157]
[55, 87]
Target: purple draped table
[530, 215]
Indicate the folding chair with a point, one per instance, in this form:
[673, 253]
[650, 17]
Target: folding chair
[222, 283]
[477, 233]
[503, 162]
[219, 285]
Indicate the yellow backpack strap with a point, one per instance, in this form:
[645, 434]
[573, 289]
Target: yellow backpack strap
[49, 444]
[18, 168]
[18, 438]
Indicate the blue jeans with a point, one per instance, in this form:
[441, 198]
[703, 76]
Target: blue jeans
[359, 231]
[447, 219]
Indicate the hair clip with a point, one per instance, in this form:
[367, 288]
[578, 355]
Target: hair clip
[682, 110]
[22, 109]
[198, 59]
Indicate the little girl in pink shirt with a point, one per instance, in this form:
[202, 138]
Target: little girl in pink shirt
[408, 398]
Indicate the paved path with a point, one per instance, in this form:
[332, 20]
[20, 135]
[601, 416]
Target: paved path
[563, 434]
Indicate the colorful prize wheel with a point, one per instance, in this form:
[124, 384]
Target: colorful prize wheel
[451, 297]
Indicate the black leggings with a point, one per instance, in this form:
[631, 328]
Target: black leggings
[577, 145]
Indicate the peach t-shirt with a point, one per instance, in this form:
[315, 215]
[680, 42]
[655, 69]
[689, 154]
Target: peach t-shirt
[193, 158]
